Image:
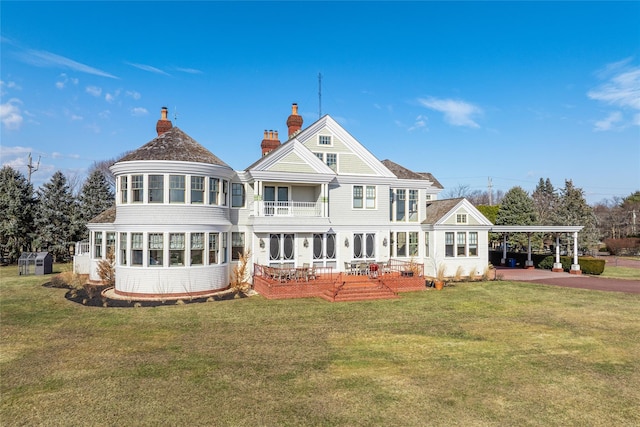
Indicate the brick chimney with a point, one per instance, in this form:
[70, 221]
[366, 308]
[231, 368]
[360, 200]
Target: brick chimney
[294, 122]
[270, 142]
[164, 124]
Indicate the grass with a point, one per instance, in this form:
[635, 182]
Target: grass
[487, 353]
[621, 272]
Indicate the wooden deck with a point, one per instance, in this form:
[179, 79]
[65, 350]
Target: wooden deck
[334, 286]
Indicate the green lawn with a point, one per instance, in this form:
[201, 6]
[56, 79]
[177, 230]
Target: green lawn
[493, 353]
[621, 272]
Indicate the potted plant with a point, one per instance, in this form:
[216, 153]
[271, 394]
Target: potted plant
[439, 282]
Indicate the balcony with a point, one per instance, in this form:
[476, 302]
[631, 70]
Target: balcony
[289, 209]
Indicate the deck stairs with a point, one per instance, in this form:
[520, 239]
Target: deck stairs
[359, 288]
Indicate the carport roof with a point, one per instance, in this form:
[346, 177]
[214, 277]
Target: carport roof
[536, 228]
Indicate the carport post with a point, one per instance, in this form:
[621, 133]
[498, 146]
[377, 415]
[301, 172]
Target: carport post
[503, 261]
[575, 267]
[557, 266]
[529, 262]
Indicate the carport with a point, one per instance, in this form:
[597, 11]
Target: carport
[557, 230]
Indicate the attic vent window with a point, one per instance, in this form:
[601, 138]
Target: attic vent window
[324, 140]
[461, 218]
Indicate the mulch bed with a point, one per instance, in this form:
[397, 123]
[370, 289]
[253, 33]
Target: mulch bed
[81, 296]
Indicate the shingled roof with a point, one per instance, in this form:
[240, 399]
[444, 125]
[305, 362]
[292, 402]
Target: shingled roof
[439, 208]
[174, 145]
[105, 217]
[433, 179]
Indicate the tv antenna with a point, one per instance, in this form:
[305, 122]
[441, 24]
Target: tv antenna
[32, 168]
[175, 114]
[319, 95]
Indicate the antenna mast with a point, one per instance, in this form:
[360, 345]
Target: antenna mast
[32, 168]
[319, 95]
[490, 185]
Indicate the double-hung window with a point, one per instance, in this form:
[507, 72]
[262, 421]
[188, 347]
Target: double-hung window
[371, 197]
[197, 189]
[461, 244]
[213, 248]
[176, 188]
[137, 188]
[332, 160]
[123, 249]
[123, 189]
[137, 247]
[237, 195]
[156, 249]
[97, 242]
[413, 243]
[197, 249]
[413, 205]
[448, 244]
[214, 190]
[156, 188]
[237, 245]
[176, 249]
[400, 205]
[111, 244]
[357, 197]
[473, 243]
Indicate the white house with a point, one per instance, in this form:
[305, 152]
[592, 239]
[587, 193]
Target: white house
[183, 216]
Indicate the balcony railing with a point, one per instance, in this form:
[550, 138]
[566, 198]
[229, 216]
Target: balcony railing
[291, 209]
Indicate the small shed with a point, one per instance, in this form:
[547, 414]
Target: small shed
[38, 263]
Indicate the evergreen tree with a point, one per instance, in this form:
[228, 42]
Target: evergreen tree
[16, 218]
[516, 208]
[545, 202]
[574, 210]
[56, 219]
[95, 197]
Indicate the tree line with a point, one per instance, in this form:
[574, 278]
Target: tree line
[52, 218]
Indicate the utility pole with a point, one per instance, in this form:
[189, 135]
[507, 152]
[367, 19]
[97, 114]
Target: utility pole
[319, 95]
[490, 189]
[32, 168]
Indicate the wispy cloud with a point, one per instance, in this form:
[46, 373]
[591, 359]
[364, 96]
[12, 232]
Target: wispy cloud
[8, 85]
[148, 68]
[621, 89]
[44, 59]
[63, 79]
[133, 94]
[419, 123]
[609, 122]
[11, 115]
[456, 112]
[189, 70]
[139, 111]
[93, 90]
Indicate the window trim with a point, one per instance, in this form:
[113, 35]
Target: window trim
[328, 138]
[243, 195]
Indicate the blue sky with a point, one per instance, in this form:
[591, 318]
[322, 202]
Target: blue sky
[512, 91]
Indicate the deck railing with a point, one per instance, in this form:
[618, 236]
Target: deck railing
[290, 208]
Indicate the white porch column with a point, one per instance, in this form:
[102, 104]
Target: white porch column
[575, 267]
[557, 266]
[503, 261]
[528, 263]
[325, 200]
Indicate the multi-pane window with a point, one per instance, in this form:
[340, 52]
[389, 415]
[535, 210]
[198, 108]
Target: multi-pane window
[197, 249]
[413, 205]
[176, 188]
[448, 244]
[225, 245]
[413, 243]
[332, 160]
[213, 248]
[426, 244]
[111, 244]
[97, 242]
[123, 248]
[176, 249]
[461, 244]
[461, 218]
[123, 189]
[473, 243]
[237, 195]
[137, 188]
[197, 189]
[320, 156]
[401, 244]
[281, 247]
[237, 245]
[137, 247]
[156, 248]
[156, 188]
[371, 197]
[357, 197]
[214, 190]
[225, 193]
[324, 140]
[400, 204]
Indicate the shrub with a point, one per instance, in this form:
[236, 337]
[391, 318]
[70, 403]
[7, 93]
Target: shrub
[587, 265]
[107, 268]
[239, 282]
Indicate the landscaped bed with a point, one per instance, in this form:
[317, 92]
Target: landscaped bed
[484, 353]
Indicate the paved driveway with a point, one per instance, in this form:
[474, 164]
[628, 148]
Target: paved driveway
[582, 281]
